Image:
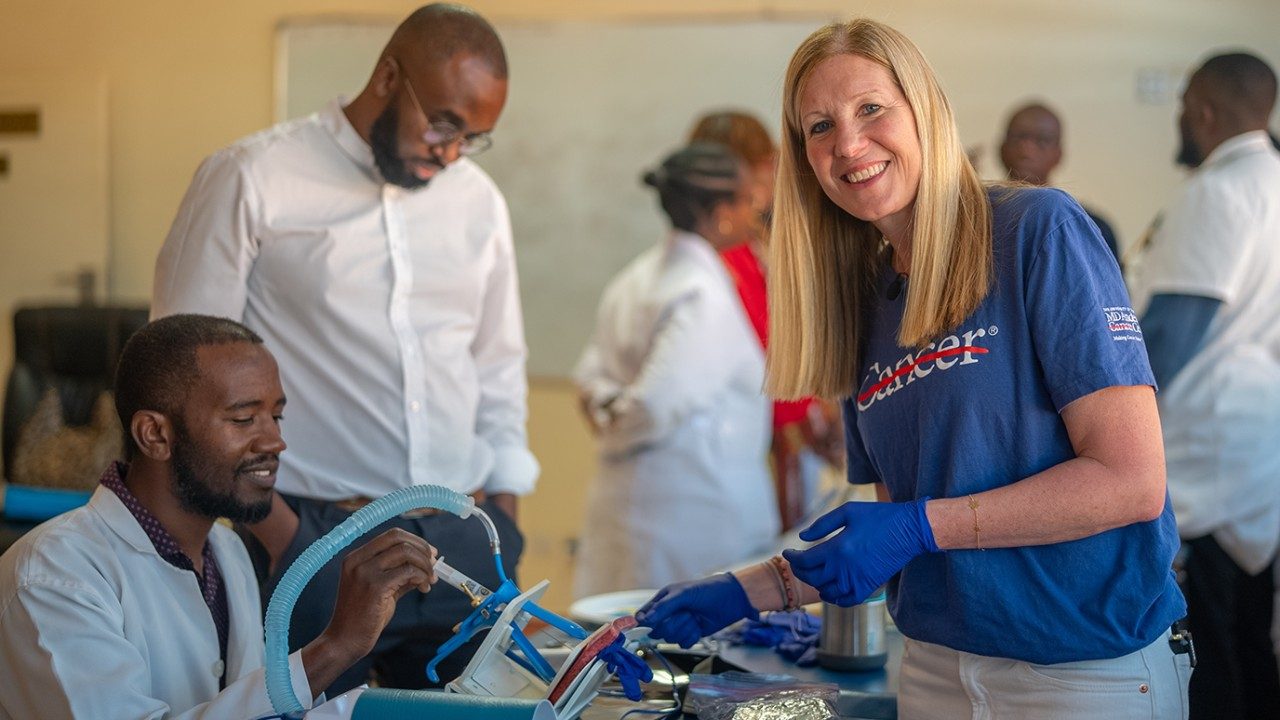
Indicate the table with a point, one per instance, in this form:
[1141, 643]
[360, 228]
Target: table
[863, 694]
[869, 695]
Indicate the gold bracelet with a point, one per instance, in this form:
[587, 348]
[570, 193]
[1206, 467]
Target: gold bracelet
[791, 601]
[977, 532]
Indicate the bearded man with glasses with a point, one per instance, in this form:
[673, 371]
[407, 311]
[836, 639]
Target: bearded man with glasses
[376, 261]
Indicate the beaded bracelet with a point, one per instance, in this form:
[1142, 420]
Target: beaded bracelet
[790, 599]
[777, 577]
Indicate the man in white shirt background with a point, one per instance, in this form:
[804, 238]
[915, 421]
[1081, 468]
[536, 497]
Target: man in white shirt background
[138, 604]
[376, 260]
[1208, 288]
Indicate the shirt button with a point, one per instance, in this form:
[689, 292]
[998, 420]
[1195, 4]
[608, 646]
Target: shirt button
[415, 406]
[218, 668]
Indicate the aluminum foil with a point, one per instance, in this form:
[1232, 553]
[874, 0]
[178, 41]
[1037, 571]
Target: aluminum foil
[784, 705]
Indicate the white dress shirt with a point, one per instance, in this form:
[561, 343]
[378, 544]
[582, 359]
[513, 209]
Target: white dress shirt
[683, 488]
[95, 624]
[1220, 238]
[394, 314]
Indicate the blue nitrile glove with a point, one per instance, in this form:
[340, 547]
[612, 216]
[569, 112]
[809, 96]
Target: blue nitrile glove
[627, 667]
[876, 540]
[792, 634]
[686, 612]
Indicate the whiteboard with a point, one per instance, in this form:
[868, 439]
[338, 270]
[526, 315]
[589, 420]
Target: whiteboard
[591, 106]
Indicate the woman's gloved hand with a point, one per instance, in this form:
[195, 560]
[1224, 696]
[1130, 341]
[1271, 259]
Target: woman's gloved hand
[686, 612]
[627, 667]
[876, 540]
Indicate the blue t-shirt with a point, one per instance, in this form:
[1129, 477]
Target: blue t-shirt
[978, 409]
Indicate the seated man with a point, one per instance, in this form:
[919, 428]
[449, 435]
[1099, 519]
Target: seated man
[138, 605]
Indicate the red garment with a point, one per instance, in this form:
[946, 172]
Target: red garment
[748, 277]
[789, 412]
[790, 417]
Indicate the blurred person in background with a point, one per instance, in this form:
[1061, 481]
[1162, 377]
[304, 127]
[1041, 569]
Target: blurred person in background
[806, 433]
[1207, 283]
[1032, 150]
[671, 384]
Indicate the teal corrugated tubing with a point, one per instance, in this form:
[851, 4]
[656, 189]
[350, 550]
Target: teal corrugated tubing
[280, 609]
[387, 704]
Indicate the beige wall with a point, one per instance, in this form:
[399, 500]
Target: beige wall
[186, 78]
[552, 516]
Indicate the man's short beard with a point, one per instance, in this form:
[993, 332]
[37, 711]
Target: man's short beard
[385, 143]
[1189, 155]
[196, 496]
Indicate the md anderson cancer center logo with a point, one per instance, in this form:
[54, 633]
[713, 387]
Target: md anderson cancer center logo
[949, 352]
[1123, 323]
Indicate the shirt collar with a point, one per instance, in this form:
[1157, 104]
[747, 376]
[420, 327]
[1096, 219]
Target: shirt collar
[1241, 144]
[695, 245]
[336, 123]
[700, 251]
[166, 546]
[339, 126]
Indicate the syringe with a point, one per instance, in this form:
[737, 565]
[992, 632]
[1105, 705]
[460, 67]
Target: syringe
[469, 587]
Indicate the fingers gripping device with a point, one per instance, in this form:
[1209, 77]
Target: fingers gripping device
[507, 664]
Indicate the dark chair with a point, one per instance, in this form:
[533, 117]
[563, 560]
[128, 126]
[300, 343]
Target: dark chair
[73, 349]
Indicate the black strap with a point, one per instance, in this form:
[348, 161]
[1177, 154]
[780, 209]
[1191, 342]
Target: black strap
[1180, 640]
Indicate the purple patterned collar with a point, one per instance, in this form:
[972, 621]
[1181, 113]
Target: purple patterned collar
[165, 544]
[210, 579]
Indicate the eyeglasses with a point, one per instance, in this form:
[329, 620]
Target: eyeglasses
[1043, 141]
[442, 133]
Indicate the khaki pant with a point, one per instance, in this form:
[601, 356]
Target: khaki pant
[938, 682]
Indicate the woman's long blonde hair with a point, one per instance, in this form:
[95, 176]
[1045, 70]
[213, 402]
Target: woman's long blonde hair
[824, 262]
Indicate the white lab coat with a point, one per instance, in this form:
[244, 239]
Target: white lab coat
[683, 487]
[95, 624]
[1221, 413]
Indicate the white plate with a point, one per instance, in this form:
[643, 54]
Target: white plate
[600, 609]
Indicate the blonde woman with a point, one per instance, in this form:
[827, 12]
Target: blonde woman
[996, 387]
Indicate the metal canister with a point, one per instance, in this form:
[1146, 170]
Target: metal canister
[853, 637]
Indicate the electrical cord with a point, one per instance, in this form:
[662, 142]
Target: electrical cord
[676, 707]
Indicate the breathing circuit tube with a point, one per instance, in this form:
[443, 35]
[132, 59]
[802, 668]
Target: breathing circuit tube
[280, 609]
